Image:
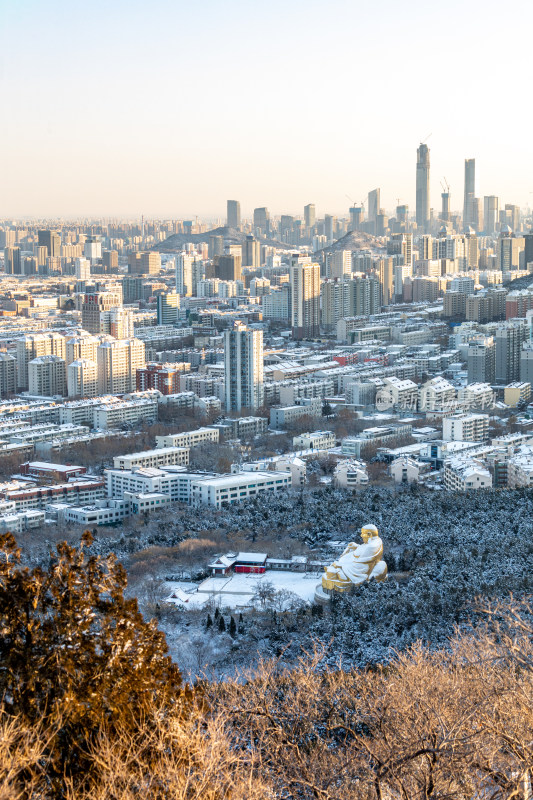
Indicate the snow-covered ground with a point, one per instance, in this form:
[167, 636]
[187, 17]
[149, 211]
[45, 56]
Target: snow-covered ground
[237, 591]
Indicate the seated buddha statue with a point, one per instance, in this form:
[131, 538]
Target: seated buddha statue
[358, 563]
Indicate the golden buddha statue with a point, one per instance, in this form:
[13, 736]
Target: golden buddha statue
[358, 563]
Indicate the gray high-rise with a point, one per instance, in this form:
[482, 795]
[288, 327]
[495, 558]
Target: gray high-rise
[422, 186]
[470, 191]
[491, 213]
[233, 214]
[374, 204]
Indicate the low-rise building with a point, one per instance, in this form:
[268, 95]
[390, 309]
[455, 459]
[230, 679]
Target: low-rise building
[305, 406]
[520, 468]
[160, 457]
[350, 474]
[21, 521]
[516, 393]
[462, 475]
[315, 440]
[405, 470]
[189, 438]
[221, 489]
[76, 492]
[438, 394]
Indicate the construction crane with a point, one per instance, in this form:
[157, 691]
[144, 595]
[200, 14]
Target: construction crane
[445, 186]
[427, 137]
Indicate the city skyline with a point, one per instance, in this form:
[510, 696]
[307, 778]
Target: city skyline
[161, 114]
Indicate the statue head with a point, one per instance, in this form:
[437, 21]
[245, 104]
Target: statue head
[368, 532]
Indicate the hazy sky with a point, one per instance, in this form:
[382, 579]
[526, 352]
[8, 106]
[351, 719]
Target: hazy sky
[169, 107]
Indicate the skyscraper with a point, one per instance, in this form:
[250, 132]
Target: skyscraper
[51, 240]
[445, 213]
[491, 213]
[233, 214]
[251, 252]
[243, 368]
[261, 220]
[305, 297]
[422, 186]
[47, 376]
[374, 204]
[470, 191]
[509, 339]
[356, 217]
[184, 274]
[309, 215]
[118, 362]
[12, 261]
[168, 308]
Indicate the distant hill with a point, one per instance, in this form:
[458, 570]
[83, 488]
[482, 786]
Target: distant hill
[520, 283]
[178, 240]
[355, 240]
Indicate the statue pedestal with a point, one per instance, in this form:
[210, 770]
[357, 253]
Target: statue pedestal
[321, 596]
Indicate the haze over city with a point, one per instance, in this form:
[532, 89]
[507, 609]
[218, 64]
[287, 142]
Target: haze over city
[168, 109]
[266, 400]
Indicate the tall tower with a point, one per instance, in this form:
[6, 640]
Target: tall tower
[374, 204]
[491, 213]
[305, 297]
[445, 213]
[422, 186]
[309, 215]
[233, 214]
[243, 368]
[470, 191]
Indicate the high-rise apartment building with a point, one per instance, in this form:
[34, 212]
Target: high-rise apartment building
[402, 244]
[509, 248]
[422, 186]
[81, 346]
[470, 192]
[184, 263]
[8, 374]
[82, 378]
[305, 297]
[31, 346]
[386, 279]
[118, 362]
[491, 213]
[339, 263]
[110, 260]
[168, 308]
[481, 361]
[509, 339]
[144, 263]
[243, 368]
[47, 376]
[93, 308]
[82, 267]
[233, 214]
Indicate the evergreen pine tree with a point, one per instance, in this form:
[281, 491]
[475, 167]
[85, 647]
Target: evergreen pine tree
[208, 622]
[232, 628]
[221, 624]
